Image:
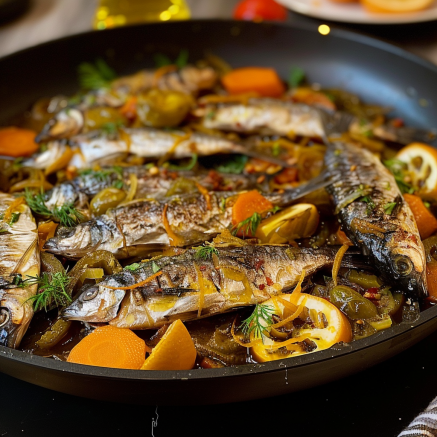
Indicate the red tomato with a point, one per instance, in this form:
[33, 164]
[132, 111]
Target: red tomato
[260, 10]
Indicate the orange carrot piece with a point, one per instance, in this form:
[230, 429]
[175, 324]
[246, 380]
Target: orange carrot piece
[17, 142]
[264, 81]
[343, 239]
[426, 222]
[45, 231]
[108, 346]
[247, 204]
[138, 284]
[129, 109]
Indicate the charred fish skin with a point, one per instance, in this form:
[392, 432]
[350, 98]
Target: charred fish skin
[19, 256]
[189, 288]
[140, 225]
[375, 217]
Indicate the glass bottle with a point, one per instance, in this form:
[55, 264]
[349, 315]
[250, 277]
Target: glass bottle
[112, 13]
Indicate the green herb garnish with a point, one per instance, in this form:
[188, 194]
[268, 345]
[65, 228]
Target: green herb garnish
[427, 204]
[14, 218]
[370, 203]
[250, 225]
[104, 176]
[234, 165]
[95, 76]
[155, 267]
[51, 289]
[389, 207]
[189, 166]
[205, 252]
[398, 169]
[259, 321]
[66, 215]
[296, 77]
[181, 61]
[223, 204]
[111, 128]
[132, 267]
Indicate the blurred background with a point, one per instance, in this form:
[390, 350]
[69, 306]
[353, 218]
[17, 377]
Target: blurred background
[24, 23]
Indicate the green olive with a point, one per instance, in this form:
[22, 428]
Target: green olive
[363, 279]
[96, 118]
[352, 303]
[160, 108]
[105, 199]
[430, 245]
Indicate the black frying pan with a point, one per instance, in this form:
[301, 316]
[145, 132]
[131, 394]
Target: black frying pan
[380, 73]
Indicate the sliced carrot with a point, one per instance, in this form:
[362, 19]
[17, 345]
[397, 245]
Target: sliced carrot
[264, 81]
[343, 239]
[431, 278]
[312, 97]
[247, 204]
[16, 142]
[129, 109]
[175, 350]
[426, 222]
[108, 346]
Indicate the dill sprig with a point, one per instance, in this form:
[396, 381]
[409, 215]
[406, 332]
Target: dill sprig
[95, 76]
[205, 252]
[248, 226]
[66, 215]
[259, 321]
[51, 289]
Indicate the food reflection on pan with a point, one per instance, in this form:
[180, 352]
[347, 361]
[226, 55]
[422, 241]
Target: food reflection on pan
[198, 216]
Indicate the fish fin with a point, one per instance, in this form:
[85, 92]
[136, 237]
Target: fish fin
[335, 123]
[26, 255]
[321, 181]
[406, 135]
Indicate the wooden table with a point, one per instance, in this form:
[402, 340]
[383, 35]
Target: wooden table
[380, 401]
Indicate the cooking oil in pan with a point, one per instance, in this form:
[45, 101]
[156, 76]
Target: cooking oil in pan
[112, 13]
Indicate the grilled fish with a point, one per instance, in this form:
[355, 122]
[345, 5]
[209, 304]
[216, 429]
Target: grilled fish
[146, 224]
[19, 258]
[189, 288]
[376, 218]
[98, 146]
[70, 120]
[152, 183]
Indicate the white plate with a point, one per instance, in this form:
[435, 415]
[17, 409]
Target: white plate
[355, 13]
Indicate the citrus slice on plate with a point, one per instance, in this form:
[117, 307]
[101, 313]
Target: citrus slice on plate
[394, 6]
[175, 350]
[421, 161]
[331, 326]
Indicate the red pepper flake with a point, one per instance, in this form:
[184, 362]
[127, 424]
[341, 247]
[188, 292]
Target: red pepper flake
[202, 268]
[373, 290]
[261, 287]
[269, 281]
[397, 122]
[258, 264]
[158, 290]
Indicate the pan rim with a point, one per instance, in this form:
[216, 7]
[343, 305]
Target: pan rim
[246, 369]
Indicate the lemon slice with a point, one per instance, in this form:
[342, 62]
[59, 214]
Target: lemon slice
[396, 5]
[421, 160]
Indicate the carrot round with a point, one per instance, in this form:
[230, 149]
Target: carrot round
[264, 81]
[426, 222]
[17, 142]
[108, 346]
[431, 278]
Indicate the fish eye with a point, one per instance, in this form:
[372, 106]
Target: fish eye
[402, 265]
[4, 316]
[90, 294]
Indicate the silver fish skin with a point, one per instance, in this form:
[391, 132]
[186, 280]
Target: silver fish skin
[237, 276]
[264, 116]
[19, 255]
[155, 184]
[147, 143]
[376, 218]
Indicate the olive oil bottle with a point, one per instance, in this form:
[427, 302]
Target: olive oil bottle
[112, 13]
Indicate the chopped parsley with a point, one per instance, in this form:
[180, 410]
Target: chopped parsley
[389, 207]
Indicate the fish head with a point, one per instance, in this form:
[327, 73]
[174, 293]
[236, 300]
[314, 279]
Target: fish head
[65, 123]
[408, 268]
[95, 304]
[15, 316]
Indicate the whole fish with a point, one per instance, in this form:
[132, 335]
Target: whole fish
[70, 116]
[154, 182]
[99, 146]
[19, 259]
[277, 117]
[190, 287]
[376, 218]
[146, 224]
